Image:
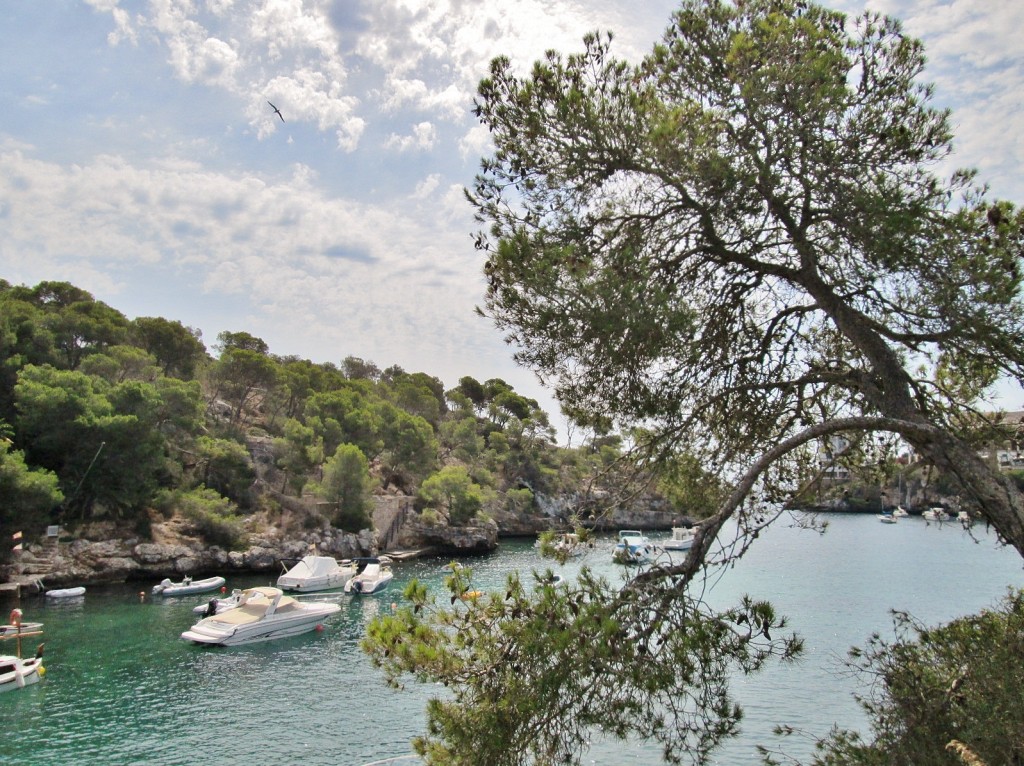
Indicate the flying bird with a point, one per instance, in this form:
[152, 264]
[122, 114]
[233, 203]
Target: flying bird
[277, 111]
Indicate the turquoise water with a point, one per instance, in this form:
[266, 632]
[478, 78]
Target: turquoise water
[122, 688]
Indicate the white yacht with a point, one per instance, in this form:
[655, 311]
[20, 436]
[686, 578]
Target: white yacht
[681, 540]
[263, 614]
[633, 547]
[936, 513]
[312, 573]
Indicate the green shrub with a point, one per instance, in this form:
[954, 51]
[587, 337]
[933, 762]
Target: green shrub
[213, 517]
[936, 691]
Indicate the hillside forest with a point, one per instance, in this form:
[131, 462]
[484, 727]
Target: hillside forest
[105, 418]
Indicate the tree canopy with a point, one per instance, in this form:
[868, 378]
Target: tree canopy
[736, 249]
[743, 241]
[127, 420]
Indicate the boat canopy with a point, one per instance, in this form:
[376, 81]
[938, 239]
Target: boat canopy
[317, 565]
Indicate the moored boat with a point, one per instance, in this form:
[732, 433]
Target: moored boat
[263, 614]
[887, 518]
[10, 631]
[633, 547]
[187, 586]
[374, 576]
[66, 592]
[681, 540]
[217, 605]
[17, 672]
[566, 545]
[936, 513]
[314, 573]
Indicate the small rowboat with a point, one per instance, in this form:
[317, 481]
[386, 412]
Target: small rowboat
[10, 631]
[16, 672]
[187, 586]
[66, 592]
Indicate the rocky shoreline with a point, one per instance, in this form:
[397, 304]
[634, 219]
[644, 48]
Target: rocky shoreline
[103, 553]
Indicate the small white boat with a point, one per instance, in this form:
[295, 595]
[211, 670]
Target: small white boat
[373, 577]
[263, 614]
[15, 671]
[633, 547]
[313, 573]
[887, 518]
[187, 586]
[217, 605]
[681, 540]
[900, 512]
[11, 631]
[965, 519]
[66, 592]
[569, 544]
[935, 513]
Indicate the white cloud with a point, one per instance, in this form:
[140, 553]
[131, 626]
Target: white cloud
[476, 142]
[427, 186]
[423, 137]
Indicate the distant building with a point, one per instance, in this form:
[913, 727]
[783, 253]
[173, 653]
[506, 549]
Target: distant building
[1009, 454]
[831, 471]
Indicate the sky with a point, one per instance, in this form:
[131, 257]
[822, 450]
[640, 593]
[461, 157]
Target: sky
[141, 161]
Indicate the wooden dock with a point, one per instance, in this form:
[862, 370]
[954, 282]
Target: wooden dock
[406, 555]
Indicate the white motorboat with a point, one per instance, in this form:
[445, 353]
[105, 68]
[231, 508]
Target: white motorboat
[887, 518]
[681, 540]
[187, 586]
[263, 614]
[312, 573]
[17, 672]
[900, 512]
[373, 577]
[217, 605]
[633, 547]
[66, 592]
[935, 513]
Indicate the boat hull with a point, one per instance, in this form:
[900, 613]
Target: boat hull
[252, 634]
[263, 614]
[168, 588]
[16, 673]
[366, 587]
[296, 585]
[66, 592]
[10, 631]
[680, 546]
[316, 573]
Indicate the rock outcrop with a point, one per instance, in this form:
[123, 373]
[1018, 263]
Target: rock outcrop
[100, 554]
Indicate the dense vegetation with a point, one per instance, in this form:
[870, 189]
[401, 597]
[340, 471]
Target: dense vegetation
[104, 417]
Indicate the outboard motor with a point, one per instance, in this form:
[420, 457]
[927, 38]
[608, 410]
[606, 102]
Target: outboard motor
[211, 608]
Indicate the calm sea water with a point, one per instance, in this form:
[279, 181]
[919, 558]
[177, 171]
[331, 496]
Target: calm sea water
[122, 688]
